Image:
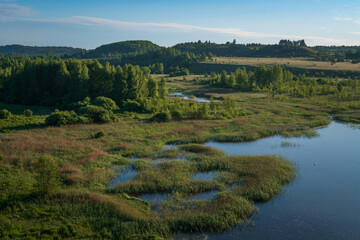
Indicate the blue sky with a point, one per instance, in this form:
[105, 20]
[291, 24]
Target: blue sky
[90, 23]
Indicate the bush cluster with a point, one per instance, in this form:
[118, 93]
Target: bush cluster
[28, 113]
[161, 117]
[5, 114]
[59, 118]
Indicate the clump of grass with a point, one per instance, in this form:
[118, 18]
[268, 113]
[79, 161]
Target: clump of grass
[99, 134]
[169, 153]
[201, 149]
[288, 144]
[306, 133]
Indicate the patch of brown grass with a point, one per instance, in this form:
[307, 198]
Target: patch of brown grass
[124, 146]
[20, 144]
[184, 129]
[88, 158]
[71, 173]
[240, 121]
[123, 209]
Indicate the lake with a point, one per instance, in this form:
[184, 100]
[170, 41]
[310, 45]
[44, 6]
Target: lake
[323, 202]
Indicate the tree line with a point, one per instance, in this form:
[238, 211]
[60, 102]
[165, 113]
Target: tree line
[277, 80]
[60, 82]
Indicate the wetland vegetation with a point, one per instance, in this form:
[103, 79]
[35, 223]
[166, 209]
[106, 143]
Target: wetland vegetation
[97, 151]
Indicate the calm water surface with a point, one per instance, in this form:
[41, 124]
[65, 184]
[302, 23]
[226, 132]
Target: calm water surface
[324, 200]
[123, 174]
[180, 95]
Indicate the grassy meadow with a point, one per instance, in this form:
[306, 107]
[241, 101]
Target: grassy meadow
[304, 63]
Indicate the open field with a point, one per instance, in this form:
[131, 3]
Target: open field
[289, 62]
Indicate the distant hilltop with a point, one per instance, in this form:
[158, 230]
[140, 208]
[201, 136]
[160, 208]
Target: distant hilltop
[129, 50]
[34, 50]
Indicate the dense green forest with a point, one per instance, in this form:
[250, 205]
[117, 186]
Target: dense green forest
[279, 81]
[28, 50]
[119, 49]
[248, 50]
[64, 81]
[171, 59]
[184, 54]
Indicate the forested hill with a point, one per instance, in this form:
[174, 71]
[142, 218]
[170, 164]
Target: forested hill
[285, 48]
[121, 48]
[33, 50]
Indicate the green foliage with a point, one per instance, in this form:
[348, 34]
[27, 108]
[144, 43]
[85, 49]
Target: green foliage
[29, 50]
[28, 113]
[247, 50]
[201, 149]
[99, 134]
[132, 106]
[120, 48]
[61, 82]
[59, 118]
[106, 103]
[2, 158]
[179, 72]
[153, 87]
[161, 117]
[163, 90]
[5, 114]
[97, 114]
[47, 179]
[176, 114]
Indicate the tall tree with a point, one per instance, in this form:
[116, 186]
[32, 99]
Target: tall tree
[163, 90]
[152, 87]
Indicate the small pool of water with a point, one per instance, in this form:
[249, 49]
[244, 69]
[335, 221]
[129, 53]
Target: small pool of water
[181, 95]
[155, 199]
[205, 175]
[123, 174]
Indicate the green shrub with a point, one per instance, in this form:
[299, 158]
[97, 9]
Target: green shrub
[59, 118]
[176, 115]
[161, 117]
[99, 134]
[132, 106]
[106, 103]
[97, 114]
[2, 157]
[28, 113]
[80, 104]
[47, 179]
[5, 114]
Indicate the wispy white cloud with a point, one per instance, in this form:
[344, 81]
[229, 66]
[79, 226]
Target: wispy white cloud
[357, 21]
[234, 32]
[341, 18]
[11, 11]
